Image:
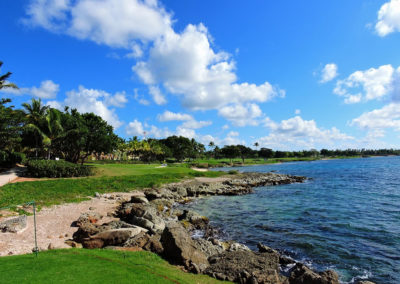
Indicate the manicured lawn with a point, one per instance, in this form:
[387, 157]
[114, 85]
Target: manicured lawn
[93, 266]
[109, 178]
[259, 161]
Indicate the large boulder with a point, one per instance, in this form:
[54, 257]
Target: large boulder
[143, 215]
[180, 249]
[245, 267]
[13, 225]
[146, 242]
[301, 274]
[111, 237]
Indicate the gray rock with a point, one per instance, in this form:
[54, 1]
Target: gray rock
[180, 249]
[111, 237]
[207, 247]
[301, 274]
[13, 225]
[245, 267]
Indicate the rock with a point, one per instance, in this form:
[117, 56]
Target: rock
[146, 242]
[88, 217]
[234, 246]
[111, 237]
[97, 195]
[245, 267]
[199, 222]
[139, 199]
[264, 248]
[180, 249]
[365, 282]
[92, 208]
[207, 247]
[73, 244]
[301, 274]
[50, 246]
[13, 225]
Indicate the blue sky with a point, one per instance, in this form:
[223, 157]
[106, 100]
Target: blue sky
[288, 75]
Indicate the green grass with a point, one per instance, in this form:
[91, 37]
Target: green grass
[258, 161]
[109, 178]
[93, 266]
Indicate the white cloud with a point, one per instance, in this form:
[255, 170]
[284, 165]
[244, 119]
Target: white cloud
[297, 133]
[158, 97]
[117, 100]
[47, 90]
[96, 101]
[374, 83]
[194, 124]
[172, 116]
[184, 63]
[297, 111]
[388, 18]
[329, 72]
[226, 126]
[379, 119]
[241, 115]
[135, 128]
[116, 23]
[187, 66]
[185, 132]
[233, 134]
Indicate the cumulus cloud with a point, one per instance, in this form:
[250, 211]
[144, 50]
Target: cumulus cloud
[380, 119]
[371, 84]
[182, 63]
[241, 115]
[116, 23]
[158, 97]
[194, 124]
[388, 18]
[329, 72]
[297, 133]
[47, 90]
[187, 66]
[172, 116]
[96, 101]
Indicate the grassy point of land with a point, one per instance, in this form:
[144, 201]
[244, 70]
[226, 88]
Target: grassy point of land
[93, 266]
[108, 178]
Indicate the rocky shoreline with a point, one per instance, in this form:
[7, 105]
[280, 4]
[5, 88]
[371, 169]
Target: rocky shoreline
[152, 221]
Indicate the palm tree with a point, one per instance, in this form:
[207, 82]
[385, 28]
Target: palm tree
[212, 147]
[44, 122]
[3, 80]
[256, 145]
[35, 114]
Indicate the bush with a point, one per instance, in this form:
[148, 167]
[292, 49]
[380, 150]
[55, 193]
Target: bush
[233, 172]
[9, 159]
[57, 169]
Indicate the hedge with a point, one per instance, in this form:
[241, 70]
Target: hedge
[57, 169]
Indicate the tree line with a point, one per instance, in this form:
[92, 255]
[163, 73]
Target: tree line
[39, 131]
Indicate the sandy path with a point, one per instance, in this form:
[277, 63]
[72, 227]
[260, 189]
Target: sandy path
[54, 224]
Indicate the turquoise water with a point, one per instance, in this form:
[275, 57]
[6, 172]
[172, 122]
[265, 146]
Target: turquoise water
[346, 218]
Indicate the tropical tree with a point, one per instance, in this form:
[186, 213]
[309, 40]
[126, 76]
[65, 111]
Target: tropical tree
[11, 122]
[35, 115]
[3, 80]
[256, 145]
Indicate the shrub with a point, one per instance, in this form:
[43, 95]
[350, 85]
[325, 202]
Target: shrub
[233, 172]
[57, 169]
[9, 159]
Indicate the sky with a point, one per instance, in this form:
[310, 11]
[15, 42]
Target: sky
[289, 75]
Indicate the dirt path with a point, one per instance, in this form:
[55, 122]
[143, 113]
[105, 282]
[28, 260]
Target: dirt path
[10, 175]
[54, 224]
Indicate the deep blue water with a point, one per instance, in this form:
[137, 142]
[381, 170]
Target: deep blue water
[346, 218]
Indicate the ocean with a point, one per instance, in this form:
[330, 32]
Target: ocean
[346, 217]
